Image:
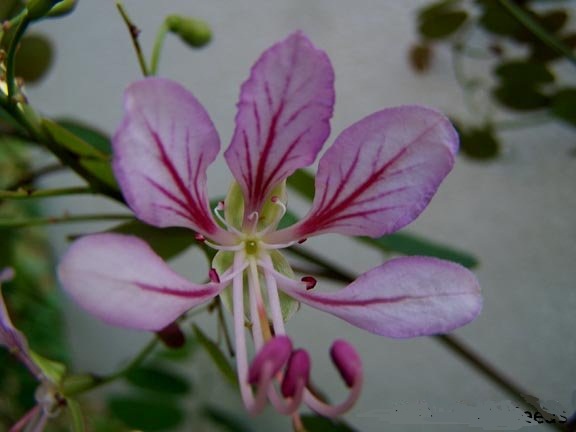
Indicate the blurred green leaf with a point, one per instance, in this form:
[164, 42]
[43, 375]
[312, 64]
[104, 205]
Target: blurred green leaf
[90, 134]
[316, 423]
[540, 52]
[442, 25]
[166, 242]
[479, 143]
[563, 105]
[72, 142]
[520, 97]
[496, 19]
[102, 170]
[185, 352]
[158, 380]
[303, 183]
[52, 369]
[553, 20]
[146, 414]
[77, 419]
[436, 8]
[524, 73]
[216, 355]
[410, 244]
[34, 57]
[226, 420]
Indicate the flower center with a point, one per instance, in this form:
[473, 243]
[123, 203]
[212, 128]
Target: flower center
[251, 246]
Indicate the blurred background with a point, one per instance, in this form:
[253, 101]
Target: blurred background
[511, 205]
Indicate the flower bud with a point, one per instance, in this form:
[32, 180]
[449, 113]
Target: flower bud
[62, 8]
[38, 8]
[192, 31]
[298, 370]
[172, 336]
[275, 352]
[347, 361]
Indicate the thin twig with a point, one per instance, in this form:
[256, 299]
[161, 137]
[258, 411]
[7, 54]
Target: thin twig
[134, 33]
[66, 218]
[22, 193]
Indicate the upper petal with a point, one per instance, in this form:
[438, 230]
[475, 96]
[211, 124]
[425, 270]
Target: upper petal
[161, 151]
[380, 173]
[283, 117]
[404, 297]
[120, 280]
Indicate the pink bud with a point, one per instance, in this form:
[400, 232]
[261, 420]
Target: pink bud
[309, 281]
[172, 336]
[213, 275]
[275, 352]
[347, 361]
[298, 369]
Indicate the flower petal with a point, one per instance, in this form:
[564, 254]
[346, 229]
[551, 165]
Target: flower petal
[283, 117]
[120, 280]
[380, 173]
[10, 337]
[404, 297]
[161, 151]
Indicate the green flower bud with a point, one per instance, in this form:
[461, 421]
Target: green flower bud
[38, 8]
[192, 31]
[62, 8]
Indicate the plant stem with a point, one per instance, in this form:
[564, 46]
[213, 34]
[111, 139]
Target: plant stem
[538, 30]
[158, 43]
[134, 32]
[43, 193]
[457, 346]
[21, 26]
[34, 175]
[52, 220]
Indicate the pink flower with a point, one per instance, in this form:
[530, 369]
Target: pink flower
[377, 177]
[47, 397]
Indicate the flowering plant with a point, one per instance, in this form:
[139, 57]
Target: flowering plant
[377, 177]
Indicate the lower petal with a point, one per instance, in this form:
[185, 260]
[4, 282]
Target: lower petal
[120, 280]
[402, 298]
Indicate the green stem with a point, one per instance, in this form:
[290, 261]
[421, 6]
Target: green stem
[43, 193]
[134, 32]
[30, 177]
[159, 42]
[21, 27]
[523, 122]
[538, 30]
[451, 342]
[52, 220]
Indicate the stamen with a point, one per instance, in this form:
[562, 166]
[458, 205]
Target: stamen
[273, 298]
[199, 238]
[233, 248]
[269, 246]
[217, 210]
[276, 352]
[172, 336]
[213, 275]
[309, 281]
[275, 200]
[302, 240]
[349, 365]
[297, 374]
[253, 219]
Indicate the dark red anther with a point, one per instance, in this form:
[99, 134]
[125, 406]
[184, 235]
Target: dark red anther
[172, 336]
[309, 281]
[302, 240]
[213, 275]
[274, 199]
[199, 237]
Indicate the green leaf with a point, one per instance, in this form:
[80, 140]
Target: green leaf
[410, 244]
[226, 421]
[102, 170]
[316, 423]
[520, 98]
[34, 57]
[77, 419]
[497, 20]
[442, 25]
[303, 183]
[90, 134]
[158, 380]
[216, 355]
[437, 8]
[524, 73]
[55, 371]
[563, 105]
[166, 242]
[72, 142]
[146, 414]
[480, 143]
